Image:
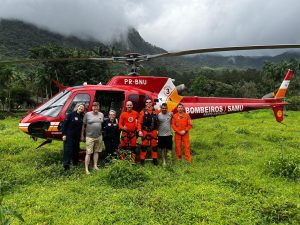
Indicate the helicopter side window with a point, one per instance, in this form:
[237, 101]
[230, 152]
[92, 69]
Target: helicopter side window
[138, 101]
[78, 99]
[54, 106]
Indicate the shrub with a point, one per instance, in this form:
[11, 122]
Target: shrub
[274, 138]
[246, 145]
[285, 166]
[242, 131]
[124, 174]
[7, 214]
[294, 103]
[277, 211]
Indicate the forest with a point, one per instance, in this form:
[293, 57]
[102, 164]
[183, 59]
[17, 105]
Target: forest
[27, 85]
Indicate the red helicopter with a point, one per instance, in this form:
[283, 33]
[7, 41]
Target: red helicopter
[46, 120]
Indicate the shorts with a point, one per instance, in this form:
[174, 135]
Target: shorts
[94, 145]
[165, 142]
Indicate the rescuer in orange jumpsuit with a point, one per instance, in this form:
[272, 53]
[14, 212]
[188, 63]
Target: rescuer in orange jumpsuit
[128, 125]
[181, 124]
[147, 128]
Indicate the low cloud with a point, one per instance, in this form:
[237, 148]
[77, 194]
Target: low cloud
[170, 24]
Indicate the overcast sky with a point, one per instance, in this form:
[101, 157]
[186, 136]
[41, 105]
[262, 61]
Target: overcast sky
[169, 24]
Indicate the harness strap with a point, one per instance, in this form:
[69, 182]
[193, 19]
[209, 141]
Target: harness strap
[130, 135]
[148, 137]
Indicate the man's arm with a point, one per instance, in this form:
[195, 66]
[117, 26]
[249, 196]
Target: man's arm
[140, 122]
[121, 127]
[83, 128]
[189, 123]
[175, 128]
[65, 126]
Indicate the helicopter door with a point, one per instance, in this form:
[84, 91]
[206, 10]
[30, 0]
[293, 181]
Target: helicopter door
[138, 101]
[110, 100]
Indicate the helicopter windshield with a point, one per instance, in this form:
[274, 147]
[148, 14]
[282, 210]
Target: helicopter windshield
[53, 106]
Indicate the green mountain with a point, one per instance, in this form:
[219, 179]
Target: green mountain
[16, 37]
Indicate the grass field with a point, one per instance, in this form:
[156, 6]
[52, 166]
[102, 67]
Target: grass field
[245, 170]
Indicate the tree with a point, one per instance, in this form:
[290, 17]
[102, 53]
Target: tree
[6, 79]
[67, 73]
[202, 86]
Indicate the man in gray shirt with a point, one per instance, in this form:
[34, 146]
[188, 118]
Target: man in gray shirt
[92, 127]
[165, 132]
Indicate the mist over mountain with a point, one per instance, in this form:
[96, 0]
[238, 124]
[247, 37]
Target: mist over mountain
[17, 37]
[214, 61]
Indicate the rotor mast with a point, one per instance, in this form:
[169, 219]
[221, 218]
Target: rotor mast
[133, 60]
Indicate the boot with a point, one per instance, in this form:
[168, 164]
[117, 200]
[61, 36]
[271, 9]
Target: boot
[155, 162]
[169, 154]
[133, 156]
[66, 167]
[142, 162]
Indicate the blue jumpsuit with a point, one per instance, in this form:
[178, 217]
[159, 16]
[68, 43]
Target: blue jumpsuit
[72, 129]
[111, 135]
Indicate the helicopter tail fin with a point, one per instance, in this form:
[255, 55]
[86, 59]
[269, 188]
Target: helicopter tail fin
[278, 109]
[284, 85]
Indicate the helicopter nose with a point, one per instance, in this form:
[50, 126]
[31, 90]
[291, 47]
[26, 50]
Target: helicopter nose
[24, 127]
[36, 129]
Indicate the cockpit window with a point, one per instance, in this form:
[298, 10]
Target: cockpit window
[79, 99]
[54, 106]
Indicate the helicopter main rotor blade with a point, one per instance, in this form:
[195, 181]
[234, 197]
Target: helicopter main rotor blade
[224, 49]
[135, 58]
[26, 61]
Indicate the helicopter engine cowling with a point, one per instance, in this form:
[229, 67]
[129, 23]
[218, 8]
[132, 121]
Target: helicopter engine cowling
[180, 88]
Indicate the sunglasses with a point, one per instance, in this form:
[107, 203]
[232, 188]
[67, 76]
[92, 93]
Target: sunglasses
[148, 102]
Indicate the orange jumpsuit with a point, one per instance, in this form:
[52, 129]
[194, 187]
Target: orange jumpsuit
[128, 120]
[149, 133]
[182, 122]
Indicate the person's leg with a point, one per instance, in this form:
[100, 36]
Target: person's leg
[87, 163]
[67, 154]
[115, 146]
[169, 147]
[154, 155]
[89, 150]
[75, 152]
[186, 141]
[109, 146]
[178, 146]
[154, 148]
[97, 148]
[95, 159]
[124, 140]
[164, 156]
[133, 147]
[145, 144]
